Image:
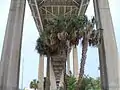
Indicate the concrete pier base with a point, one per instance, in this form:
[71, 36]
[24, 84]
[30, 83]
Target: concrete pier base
[10, 59]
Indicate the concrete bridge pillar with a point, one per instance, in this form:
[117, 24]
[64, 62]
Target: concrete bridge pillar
[108, 52]
[10, 58]
[75, 62]
[68, 64]
[41, 73]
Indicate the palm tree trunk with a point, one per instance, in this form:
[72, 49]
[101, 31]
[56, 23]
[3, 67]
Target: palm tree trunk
[83, 61]
[84, 55]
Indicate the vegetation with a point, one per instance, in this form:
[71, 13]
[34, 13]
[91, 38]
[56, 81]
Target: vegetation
[90, 37]
[34, 84]
[88, 83]
[63, 33]
[71, 82]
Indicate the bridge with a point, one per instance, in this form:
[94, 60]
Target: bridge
[44, 9]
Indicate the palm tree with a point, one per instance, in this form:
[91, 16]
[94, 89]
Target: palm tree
[60, 33]
[34, 84]
[88, 83]
[64, 32]
[91, 37]
[71, 82]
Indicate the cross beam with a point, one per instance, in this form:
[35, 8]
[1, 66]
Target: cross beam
[58, 3]
[83, 6]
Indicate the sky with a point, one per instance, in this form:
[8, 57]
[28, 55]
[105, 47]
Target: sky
[30, 35]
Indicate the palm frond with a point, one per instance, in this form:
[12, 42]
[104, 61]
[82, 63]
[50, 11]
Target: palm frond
[59, 30]
[95, 38]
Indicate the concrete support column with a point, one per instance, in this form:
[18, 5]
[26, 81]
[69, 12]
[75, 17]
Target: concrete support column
[1, 73]
[47, 80]
[108, 49]
[12, 46]
[68, 64]
[75, 62]
[41, 73]
[53, 85]
[7, 43]
[119, 65]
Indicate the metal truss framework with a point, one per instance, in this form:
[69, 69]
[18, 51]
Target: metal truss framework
[51, 8]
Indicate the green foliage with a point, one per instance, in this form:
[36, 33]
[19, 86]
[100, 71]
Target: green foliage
[58, 31]
[34, 84]
[71, 82]
[88, 83]
[95, 38]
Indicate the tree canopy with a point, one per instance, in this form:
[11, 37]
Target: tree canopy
[88, 83]
[64, 32]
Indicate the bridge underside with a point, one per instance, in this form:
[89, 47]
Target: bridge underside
[41, 9]
[44, 9]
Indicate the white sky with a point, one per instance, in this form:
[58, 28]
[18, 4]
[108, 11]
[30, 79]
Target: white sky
[30, 35]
